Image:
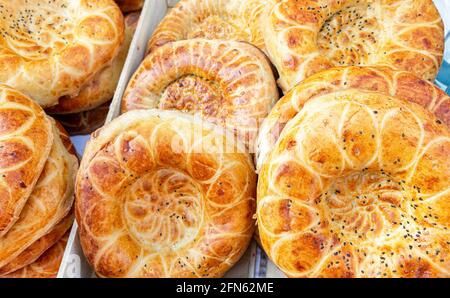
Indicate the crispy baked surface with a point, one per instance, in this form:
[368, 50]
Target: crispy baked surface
[229, 83]
[39, 247]
[400, 84]
[358, 182]
[130, 5]
[51, 49]
[305, 37]
[103, 85]
[161, 194]
[47, 265]
[49, 202]
[25, 141]
[84, 122]
[212, 19]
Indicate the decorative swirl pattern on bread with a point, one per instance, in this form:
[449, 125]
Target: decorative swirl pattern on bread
[385, 80]
[212, 19]
[305, 37]
[38, 248]
[164, 194]
[46, 266]
[358, 185]
[25, 142]
[51, 49]
[50, 201]
[229, 83]
[103, 85]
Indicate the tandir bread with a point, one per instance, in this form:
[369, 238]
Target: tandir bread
[84, 122]
[385, 80]
[130, 5]
[47, 265]
[164, 194]
[358, 185]
[50, 201]
[103, 85]
[305, 37]
[212, 19]
[49, 49]
[25, 141]
[39, 247]
[229, 83]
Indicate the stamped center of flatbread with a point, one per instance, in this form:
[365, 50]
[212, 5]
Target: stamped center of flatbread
[164, 210]
[367, 207]
[350, 36]
[194, 95]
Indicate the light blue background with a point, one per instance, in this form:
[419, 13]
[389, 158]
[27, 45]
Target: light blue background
[443, 79]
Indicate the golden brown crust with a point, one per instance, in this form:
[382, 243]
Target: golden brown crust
[357, 185]
[85, 122]
[305, 37]
[25, 142]
[229, 83]
[212, 19]
[49, 202]
[103, 85]
[130, 5]
[163, 194]
[57, 46]
[34, 251]
[47, 265]
[400, 84]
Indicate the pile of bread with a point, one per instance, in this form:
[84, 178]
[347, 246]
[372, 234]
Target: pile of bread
[38, 165]
[346, 175]
[353, 161]
[86, 111]
[56, 57]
